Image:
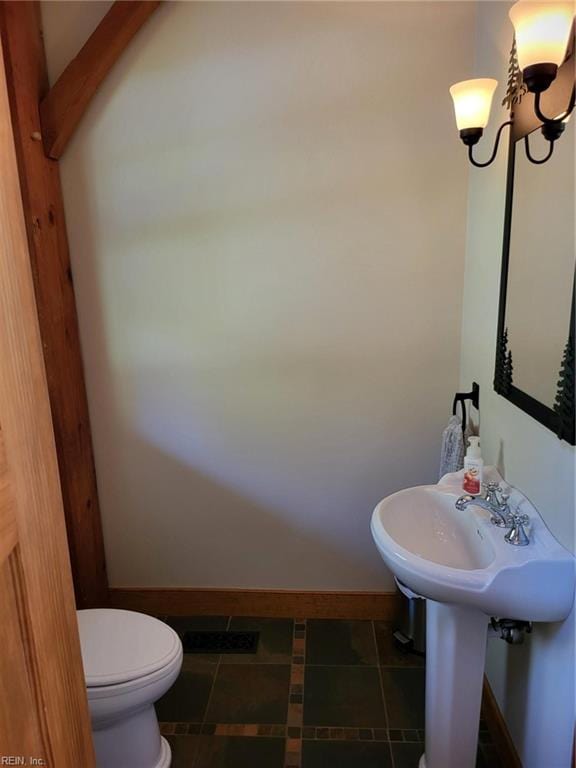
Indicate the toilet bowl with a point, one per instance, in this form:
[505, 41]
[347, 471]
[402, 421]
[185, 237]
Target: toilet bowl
[130, 660]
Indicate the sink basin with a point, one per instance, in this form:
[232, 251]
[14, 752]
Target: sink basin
[461, 563]
[462, 558]
[425, 521]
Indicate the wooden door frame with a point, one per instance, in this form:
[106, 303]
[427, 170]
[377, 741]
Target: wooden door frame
[37, 608]
[43, 121]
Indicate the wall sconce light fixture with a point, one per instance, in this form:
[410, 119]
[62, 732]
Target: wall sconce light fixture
[542, 32]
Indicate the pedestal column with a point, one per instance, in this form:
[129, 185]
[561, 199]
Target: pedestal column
[455, 656]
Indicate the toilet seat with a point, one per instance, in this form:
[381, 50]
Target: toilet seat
[124, 649]
[130, 688]
[130, 661]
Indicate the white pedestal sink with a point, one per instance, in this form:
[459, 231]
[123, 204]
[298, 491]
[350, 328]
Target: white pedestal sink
[461, 563]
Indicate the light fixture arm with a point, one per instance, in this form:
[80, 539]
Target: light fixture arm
[495, 150]
[533, 159]
[542, 117]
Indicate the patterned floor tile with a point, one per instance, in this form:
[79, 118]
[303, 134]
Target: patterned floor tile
[344, 754]
[311, 697]
[274, 645]
[343, 696]
[404, 691]
[186, 700]
[250, 693]
[407, 755]
[238, 752]
[183, 750]
[340, 642]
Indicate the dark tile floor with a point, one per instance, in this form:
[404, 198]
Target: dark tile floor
[317, 694]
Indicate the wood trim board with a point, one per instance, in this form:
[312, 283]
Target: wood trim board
[257, 602]
[63, 106]
[498, 729]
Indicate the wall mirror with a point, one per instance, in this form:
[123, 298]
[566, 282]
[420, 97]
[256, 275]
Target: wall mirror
[535, 345]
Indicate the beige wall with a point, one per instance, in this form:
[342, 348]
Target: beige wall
[267, 216]
[534, 683]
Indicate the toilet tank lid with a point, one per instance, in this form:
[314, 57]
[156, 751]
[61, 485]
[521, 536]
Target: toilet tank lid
[119, 646]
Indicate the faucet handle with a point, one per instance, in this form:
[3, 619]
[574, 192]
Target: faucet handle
[517, 535]
[500, 494]
[518, 517]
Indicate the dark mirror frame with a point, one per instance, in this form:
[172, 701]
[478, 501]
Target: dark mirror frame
[560, 418]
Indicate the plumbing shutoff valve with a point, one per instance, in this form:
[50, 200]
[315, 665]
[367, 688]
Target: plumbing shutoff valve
[511, 630]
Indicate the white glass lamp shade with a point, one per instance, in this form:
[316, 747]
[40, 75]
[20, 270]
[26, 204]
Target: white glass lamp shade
[472, 102]
[542, 31]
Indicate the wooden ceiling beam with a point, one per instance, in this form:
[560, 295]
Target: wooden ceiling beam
[63, 106]
[27, 82]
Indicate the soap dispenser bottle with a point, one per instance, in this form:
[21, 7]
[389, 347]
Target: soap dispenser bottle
[473, 466]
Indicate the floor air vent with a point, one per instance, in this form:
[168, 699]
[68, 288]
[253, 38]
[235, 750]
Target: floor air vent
[220, 642]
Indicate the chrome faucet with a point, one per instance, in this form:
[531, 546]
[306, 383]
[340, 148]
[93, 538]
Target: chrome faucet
[517, 534]
[495, 500]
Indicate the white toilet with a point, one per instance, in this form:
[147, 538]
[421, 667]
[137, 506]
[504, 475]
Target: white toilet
[130, 660]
